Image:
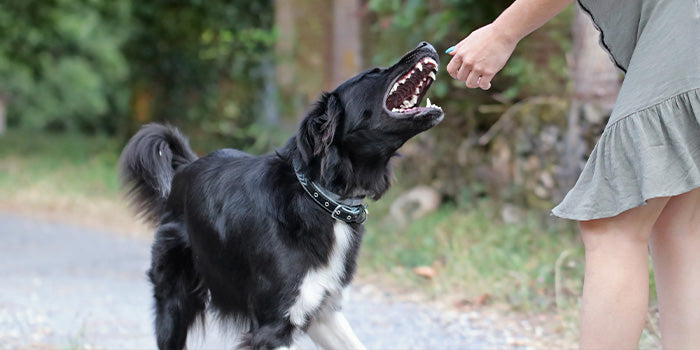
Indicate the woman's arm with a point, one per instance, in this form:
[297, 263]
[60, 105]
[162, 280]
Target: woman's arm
[484, 52]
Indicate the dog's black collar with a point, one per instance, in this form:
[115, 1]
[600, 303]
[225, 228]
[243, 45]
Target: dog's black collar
[349, 211]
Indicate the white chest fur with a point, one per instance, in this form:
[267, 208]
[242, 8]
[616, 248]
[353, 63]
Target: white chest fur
[324, 279]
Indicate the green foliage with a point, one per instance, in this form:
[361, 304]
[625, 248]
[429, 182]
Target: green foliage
[401, 24]
[75, 65]
[204, 62]
[538, 65]
[60, 63]
[406, 22]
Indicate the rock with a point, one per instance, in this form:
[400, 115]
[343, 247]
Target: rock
[414, 204]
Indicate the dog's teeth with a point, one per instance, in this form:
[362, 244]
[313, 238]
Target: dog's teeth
[427, 102]
[432, 75]
[419, 66]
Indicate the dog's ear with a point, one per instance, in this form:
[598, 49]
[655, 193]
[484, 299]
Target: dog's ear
[319, 127]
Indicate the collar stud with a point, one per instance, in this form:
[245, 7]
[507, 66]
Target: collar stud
[349, 211]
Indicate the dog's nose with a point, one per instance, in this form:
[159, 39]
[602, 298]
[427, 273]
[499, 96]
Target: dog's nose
[425, 44]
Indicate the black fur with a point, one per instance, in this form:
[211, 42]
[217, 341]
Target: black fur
[149, 162]
[237, 232]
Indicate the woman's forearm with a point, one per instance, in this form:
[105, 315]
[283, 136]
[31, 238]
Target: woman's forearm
[524, 16]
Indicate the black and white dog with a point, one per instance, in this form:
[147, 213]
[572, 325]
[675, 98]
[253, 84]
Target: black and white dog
[269, 242]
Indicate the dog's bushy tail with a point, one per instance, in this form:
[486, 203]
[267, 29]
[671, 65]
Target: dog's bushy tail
[147, 166]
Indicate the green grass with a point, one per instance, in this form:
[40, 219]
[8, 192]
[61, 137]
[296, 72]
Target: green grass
[58, 164]
[67, 177]
[475, 254]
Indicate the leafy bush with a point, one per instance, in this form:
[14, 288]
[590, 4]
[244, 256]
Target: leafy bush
[76, 65]
[202, 64]
[61, 65]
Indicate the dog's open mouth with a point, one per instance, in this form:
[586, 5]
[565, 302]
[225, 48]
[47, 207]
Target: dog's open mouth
[409, 89]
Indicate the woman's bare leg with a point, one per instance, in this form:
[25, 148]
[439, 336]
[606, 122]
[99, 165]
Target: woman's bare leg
[675, 248]
[616, 284]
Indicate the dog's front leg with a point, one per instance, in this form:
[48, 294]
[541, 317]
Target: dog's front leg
[330, 330]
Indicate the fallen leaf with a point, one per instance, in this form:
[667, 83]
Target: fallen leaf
[425, 271]
[482, 299]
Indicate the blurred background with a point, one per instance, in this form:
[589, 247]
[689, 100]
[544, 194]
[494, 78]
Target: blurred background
[467, 220]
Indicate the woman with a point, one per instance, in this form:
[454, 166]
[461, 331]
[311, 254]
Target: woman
[640, 186]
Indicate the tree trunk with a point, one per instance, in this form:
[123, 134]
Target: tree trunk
[347, 40]
[303, 51]
[319, 47]
[270, 109]
[140, 108]
[596, 84]
[3, 115]
[596, 79]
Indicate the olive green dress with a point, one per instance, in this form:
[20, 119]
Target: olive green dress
[651, 144]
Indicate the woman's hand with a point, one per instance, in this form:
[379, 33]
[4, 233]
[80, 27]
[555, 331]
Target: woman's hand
[479, 56]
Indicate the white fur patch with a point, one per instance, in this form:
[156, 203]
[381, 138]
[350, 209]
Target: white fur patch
[323, 279]
[330, 330]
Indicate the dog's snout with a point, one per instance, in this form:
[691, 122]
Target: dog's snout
[425, 45]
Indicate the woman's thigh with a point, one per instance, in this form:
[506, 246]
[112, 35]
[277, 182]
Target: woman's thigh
[634, 225]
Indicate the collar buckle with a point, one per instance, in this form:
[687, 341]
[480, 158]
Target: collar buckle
[339, 211]
[350, 214]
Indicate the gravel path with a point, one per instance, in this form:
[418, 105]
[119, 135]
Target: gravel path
[66, 287]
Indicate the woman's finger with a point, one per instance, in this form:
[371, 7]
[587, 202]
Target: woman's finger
[463, 73]
[485, 82]
[454, 65]
[472, 81]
